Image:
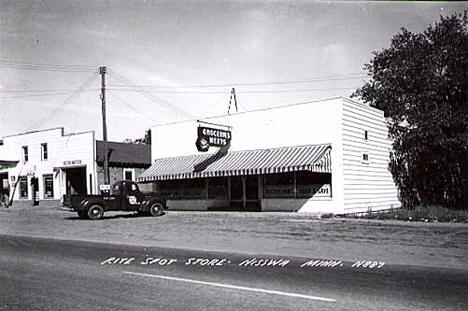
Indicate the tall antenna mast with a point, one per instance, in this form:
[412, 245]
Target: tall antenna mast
[231, 99]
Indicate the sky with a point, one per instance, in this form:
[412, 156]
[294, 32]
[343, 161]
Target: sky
[170, 61]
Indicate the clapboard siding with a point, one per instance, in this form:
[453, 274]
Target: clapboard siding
[376, 138]
[366, 185]
[359, 127]
[373, 181]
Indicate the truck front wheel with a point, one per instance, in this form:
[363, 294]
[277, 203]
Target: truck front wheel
[156, 209]
[95, 212]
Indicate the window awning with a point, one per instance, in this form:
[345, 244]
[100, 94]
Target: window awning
[314, 158]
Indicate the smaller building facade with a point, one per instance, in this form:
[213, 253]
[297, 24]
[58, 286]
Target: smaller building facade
[44, 165]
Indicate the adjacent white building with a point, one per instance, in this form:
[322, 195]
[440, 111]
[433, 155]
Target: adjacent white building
[328, 156]
[50, 163]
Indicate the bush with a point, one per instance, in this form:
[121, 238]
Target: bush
[421, 213]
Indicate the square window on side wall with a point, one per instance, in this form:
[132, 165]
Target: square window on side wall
[44, 152]
[25, 153]
[365, 157]
[129, 174]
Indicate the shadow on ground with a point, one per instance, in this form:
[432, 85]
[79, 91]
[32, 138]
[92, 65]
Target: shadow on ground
[116, 216]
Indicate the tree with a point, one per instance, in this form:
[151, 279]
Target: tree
[421, 84]
[146, 140]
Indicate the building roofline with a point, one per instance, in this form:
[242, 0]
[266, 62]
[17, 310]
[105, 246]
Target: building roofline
[47, 130]
[264, 109]
[349, 100]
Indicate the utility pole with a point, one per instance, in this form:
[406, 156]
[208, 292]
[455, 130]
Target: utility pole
[103, 71]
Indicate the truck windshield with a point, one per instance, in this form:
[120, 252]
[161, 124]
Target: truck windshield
[117, 188]
[133, 187]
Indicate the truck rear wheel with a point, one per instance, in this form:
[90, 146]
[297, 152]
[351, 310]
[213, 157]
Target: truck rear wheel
[156, 209]
[95, 212]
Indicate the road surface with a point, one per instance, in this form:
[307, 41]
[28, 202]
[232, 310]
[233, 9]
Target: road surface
[50, 274]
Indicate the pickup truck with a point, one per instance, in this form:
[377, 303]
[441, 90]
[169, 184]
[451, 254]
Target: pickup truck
[123, 196]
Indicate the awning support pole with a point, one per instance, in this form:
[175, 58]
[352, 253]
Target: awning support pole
[295, 185]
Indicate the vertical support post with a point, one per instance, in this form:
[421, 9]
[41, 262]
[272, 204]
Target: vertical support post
[260, 191]
[295, 186]
[103, 71]
[244, 197]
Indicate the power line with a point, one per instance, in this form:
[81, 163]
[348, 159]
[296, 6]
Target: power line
[265, 83]
[46, 94]
[225, 96]
[132, 107]
[67, 101]
[37, 91]
[6, 61]
[152, 97]
[44, 67]
[247, 111]
[241, 91]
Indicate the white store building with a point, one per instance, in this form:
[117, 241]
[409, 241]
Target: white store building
[328, 156]
[50, 163]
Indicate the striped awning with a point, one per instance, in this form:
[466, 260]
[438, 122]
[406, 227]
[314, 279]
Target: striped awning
[314, 158]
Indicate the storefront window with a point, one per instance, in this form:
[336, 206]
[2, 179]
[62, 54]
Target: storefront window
[278, 185]
[48, 187]
[217, 188]
[187, 189]
[23, 183]
[310, 184]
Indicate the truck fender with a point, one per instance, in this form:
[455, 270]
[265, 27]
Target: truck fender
[86, 203]
[145, 206]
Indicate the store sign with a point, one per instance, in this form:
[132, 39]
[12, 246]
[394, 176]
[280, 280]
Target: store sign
[211, 137]
[72, 162]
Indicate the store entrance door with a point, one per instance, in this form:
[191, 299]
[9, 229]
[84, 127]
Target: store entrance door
[4, 189]
[251, 200]
[35, 190]
[75, 180]
[244, 193]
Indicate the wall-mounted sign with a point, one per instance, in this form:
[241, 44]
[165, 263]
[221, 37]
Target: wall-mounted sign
[72, 162]
[211, 137]
[104, 187]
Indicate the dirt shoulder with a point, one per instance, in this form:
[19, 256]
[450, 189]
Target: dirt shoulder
[284, 234]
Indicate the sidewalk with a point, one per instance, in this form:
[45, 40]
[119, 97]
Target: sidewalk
[285, 234]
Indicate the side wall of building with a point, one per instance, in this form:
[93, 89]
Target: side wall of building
[367, 181]
[116, 173]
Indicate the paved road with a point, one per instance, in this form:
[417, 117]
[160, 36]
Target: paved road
[48, 274]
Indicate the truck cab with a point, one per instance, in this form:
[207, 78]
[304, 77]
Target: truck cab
[123, 195]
